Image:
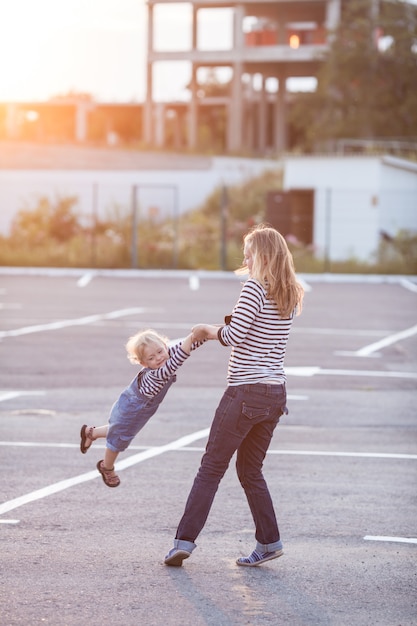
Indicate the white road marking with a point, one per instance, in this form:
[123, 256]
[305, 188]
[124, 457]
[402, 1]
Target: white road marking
[395, 539]
[194, 283]
[80, 321]
[346, 332]
[307, 288]
[376, 355]
[10, 395]
[187, 448]
[303, 371]
[408, 284]
[12, 306]
[85, 279]
[383, 343]
[365, 455]
[82, 478]
[313, 371]
[9, 521]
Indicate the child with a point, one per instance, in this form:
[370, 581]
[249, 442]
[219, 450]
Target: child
[141, 399]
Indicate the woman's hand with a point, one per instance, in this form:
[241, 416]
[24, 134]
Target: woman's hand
[201, 332]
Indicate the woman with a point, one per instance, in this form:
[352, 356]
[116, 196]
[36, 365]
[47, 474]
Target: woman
[255, 396]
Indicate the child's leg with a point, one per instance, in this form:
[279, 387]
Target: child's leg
[106, 468]
[88, 434]
[110, 458]
[100, 431]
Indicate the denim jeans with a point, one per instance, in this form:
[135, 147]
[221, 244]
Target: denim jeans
[244, 422]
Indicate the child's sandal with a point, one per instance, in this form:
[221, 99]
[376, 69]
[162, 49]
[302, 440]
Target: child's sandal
[109, 477]
[86, 434]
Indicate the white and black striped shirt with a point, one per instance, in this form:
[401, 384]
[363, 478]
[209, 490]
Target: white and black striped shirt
[258, 336]
[151, 381]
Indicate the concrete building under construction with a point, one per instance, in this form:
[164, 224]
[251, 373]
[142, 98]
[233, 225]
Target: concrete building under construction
[272, 39]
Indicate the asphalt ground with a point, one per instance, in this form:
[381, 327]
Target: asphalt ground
[342, 467]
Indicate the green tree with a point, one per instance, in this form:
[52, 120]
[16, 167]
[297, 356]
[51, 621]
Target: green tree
[367, 83]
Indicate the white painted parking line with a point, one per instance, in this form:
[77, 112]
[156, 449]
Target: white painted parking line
[10, 306]
[315, 371]
[345, 332]
[363, 455]
[408, 284]
[80, 321]
[372, 373]
[388, 341]
[194, 283]
[10, 395]
[306, 286]
[188, 448]
[85, 279]
[82, 478]
[394, 539]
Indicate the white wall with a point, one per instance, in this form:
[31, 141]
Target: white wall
[22, 188]
[398, 211]
[355, 198]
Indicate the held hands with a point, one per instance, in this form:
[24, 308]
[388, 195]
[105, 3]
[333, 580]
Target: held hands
[201, 332]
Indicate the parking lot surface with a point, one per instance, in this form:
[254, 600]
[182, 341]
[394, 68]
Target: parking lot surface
[342, 468]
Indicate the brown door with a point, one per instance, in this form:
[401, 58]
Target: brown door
[302, 206]
[291, 213]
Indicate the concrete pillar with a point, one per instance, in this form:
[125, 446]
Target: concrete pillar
[333, 14]
[159, 120]
[280, 115]
[12, 130]
[238, 34]
[282, 28]
[176, 120]
[262, 117]
[81, 123]
[147, 110]
[192, 110]
[194, 29]
[250, 111]
[235, 117]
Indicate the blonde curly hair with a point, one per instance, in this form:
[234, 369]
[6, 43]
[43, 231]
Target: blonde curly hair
[137, 343]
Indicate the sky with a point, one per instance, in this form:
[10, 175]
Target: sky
[49, 48]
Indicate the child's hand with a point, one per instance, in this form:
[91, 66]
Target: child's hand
[201, 332]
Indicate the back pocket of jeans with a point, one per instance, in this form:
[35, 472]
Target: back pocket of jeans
[254, 412]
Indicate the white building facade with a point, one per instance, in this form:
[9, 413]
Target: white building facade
[355, 200]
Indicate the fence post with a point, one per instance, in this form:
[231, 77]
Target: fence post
[176, 230]
[223, 227]
[327, 226]
[94, 227]
[134, 250]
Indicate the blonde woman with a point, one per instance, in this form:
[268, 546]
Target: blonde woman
[141, 399]
[255, 397]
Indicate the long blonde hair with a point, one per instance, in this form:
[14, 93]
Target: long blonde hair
[136, 344]
[273, 267]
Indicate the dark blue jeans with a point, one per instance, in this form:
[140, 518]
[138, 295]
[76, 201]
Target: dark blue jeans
[244, 422]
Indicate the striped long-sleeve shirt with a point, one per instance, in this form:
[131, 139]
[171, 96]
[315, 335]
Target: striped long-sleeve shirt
[151, 381]
[258, 336]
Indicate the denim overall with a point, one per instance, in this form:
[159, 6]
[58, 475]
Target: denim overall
[130, 413]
